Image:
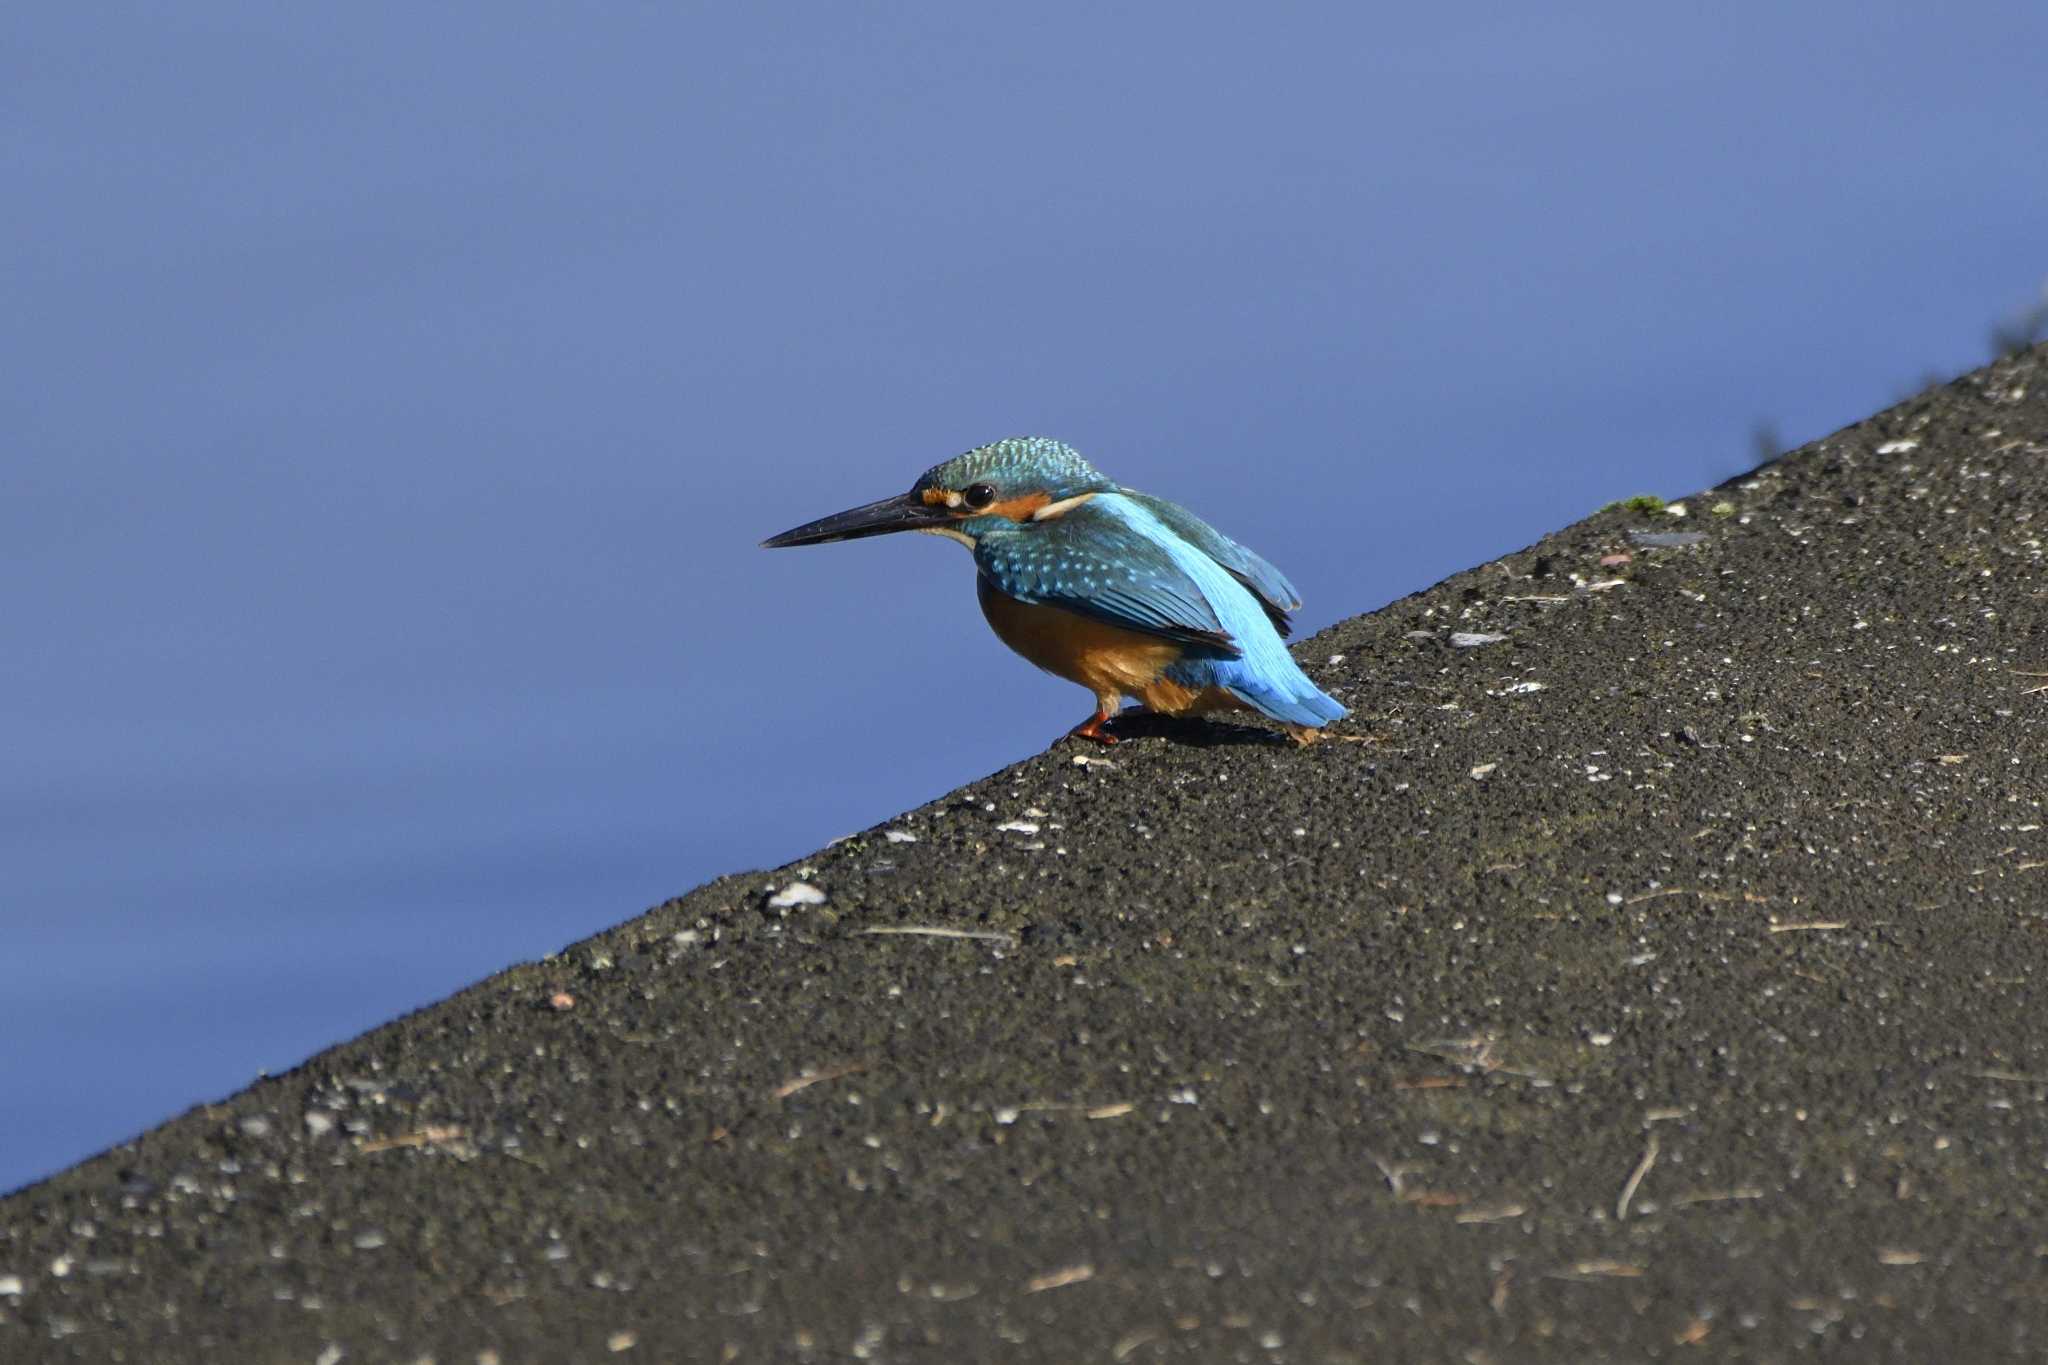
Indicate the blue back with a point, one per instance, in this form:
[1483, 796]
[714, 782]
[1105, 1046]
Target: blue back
[1115, 559]
[1267, 583]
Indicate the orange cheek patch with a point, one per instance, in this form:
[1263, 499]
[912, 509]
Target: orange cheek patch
[1016, 509]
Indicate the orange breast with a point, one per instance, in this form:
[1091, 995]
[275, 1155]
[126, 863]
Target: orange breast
[1106, 659]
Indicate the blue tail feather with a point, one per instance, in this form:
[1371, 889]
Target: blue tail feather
[1313, 707]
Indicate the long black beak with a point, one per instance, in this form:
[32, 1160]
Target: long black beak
[904, 512]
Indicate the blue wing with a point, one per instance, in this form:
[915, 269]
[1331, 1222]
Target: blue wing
[1093, 563]
[1266, 583]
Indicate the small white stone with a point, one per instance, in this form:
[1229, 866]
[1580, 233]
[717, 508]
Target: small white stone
[1472, 639]
[1675, 509]
[11, 1286]
[1018, 827]
[795, 894]
[1479, 773]
[319, 1123]
[1898, 447]
[1512, 688]
[899, 836]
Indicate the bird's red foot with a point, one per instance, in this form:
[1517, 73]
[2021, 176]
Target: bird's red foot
[1091, 728]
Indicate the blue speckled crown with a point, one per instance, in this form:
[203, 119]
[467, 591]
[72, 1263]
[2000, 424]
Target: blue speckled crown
[1019, 462]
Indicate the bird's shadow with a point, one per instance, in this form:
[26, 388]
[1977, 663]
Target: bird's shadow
[1196, 732]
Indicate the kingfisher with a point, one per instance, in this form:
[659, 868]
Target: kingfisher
[1124, 593]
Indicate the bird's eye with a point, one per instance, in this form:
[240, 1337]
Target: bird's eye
[978, 496]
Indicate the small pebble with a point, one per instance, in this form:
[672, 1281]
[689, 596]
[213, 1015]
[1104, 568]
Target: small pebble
[1018, 827]
[1472, 639]
[795, 894]
[899, 836]
[255, 1126]
[319, 1123]
[561, 1000]
[11, 1286]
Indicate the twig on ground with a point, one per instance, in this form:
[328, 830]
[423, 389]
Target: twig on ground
[1056, 1279]
[937, 931]
[811, 1078]
[1635, 1178]
[1718, 1196]
[434, 1135]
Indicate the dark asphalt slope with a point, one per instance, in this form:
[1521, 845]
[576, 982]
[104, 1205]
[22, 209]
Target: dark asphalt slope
[1666, 984]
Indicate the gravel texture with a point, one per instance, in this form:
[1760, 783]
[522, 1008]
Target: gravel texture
[1665, 983]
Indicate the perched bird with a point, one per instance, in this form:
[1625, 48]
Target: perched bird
[1121, 592]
